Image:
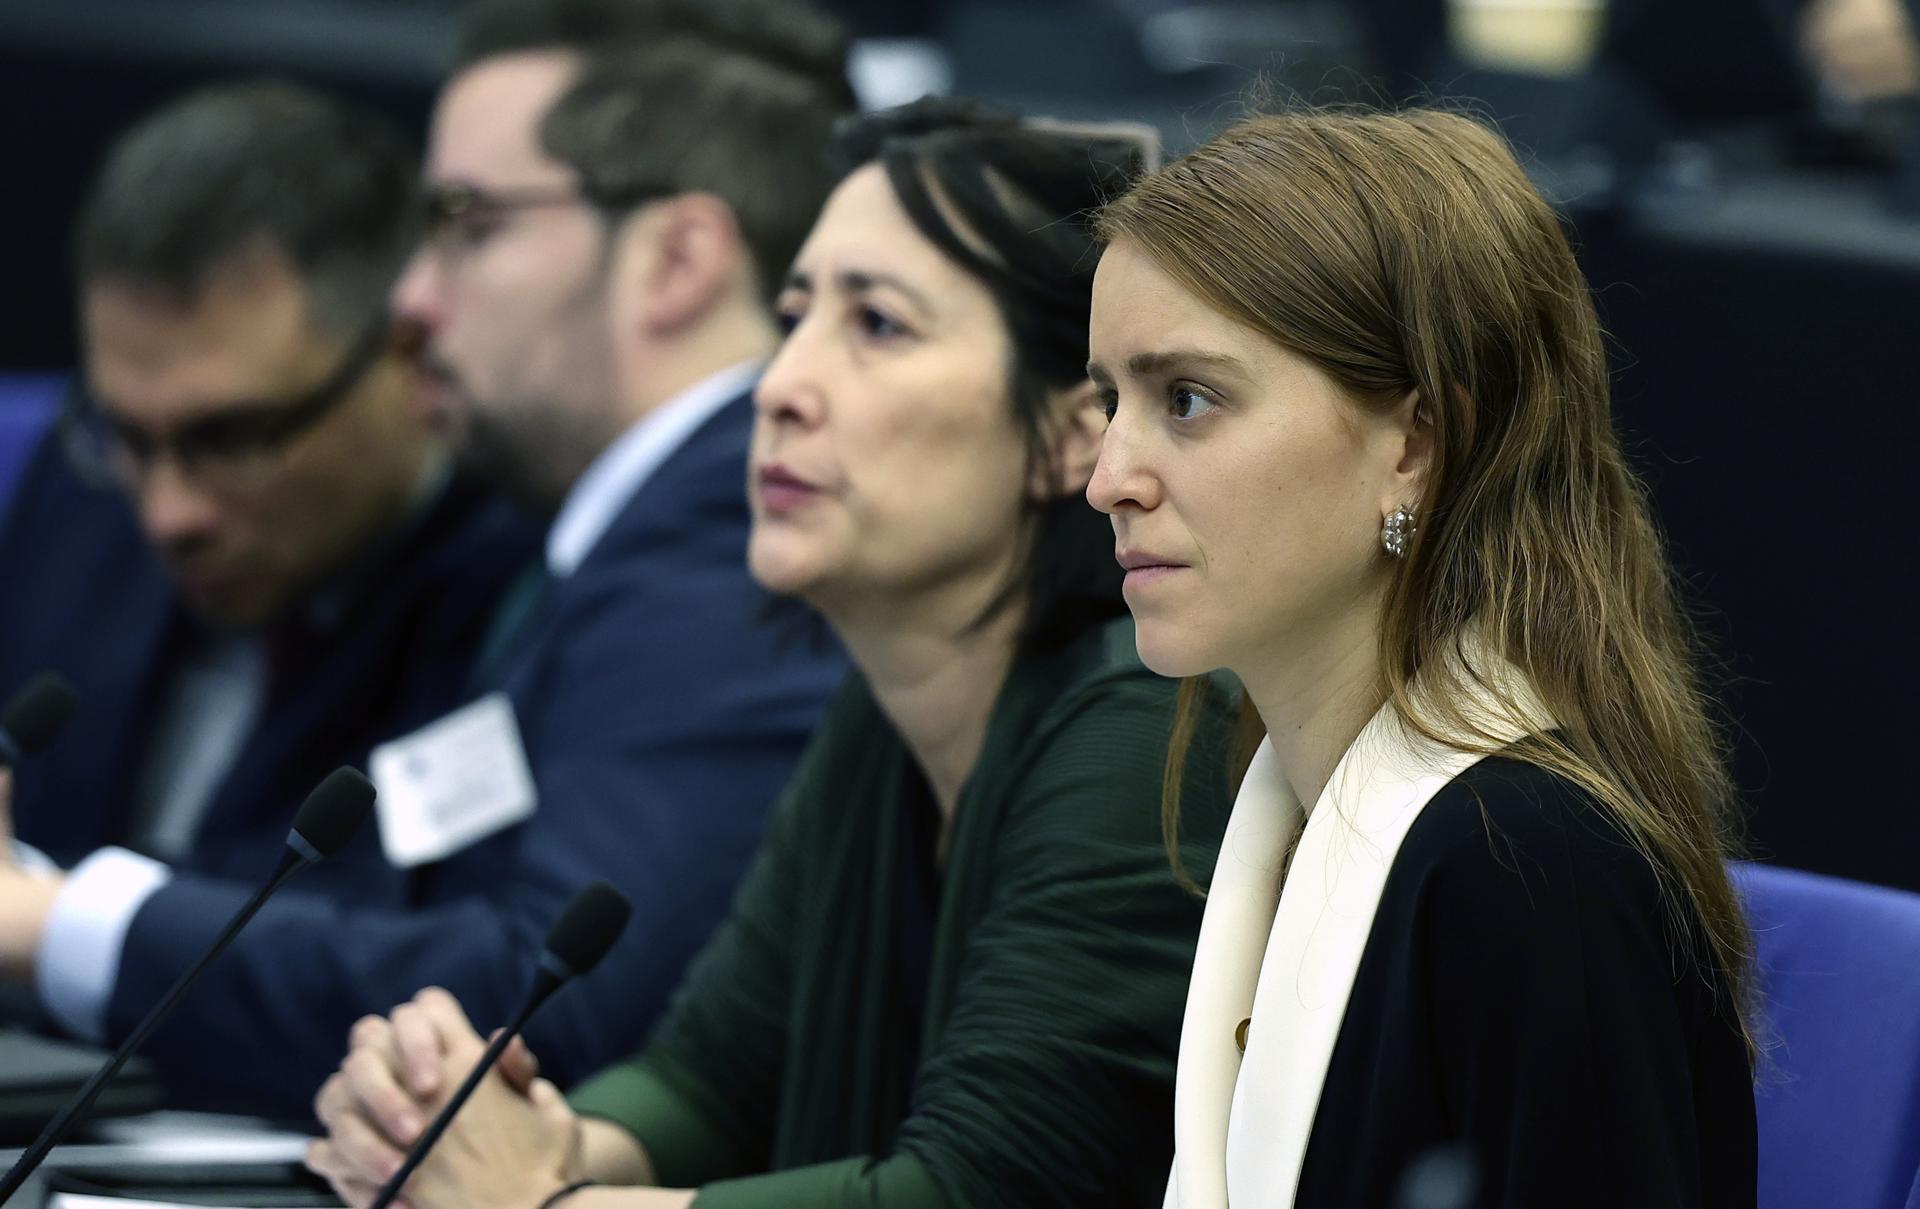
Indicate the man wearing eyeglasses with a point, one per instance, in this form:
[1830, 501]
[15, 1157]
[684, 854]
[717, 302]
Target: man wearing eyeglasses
[241, 540]
[607, 222]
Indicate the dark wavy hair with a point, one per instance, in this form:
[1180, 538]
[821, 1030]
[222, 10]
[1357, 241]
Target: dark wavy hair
[1011, 203]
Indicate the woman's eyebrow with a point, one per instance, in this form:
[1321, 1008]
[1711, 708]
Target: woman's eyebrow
[1146, 364]
[861, 281]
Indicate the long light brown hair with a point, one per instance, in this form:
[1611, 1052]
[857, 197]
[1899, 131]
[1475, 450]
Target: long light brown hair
[1407, 252]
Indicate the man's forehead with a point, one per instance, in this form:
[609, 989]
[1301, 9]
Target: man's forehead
[486, 128]
[241, 337]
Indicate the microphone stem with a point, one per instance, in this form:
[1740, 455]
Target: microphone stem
[58, 1128]
[543, 987]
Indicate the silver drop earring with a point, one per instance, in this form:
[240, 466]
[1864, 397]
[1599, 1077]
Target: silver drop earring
[1397, 528]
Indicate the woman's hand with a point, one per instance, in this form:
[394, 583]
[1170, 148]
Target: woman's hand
[512, 1144]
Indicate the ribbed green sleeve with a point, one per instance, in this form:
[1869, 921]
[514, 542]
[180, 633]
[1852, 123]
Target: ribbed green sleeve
[1053, 1082]
[677, 1136]
[680, 1141]
[667, 1123]
[900, 1182]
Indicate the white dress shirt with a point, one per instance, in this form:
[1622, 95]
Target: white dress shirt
[624, 467]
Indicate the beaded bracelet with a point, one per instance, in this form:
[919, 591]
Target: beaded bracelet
[563, 1193]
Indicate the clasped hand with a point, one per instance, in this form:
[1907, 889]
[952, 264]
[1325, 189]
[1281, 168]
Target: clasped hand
[26, 899]
[513, 1144]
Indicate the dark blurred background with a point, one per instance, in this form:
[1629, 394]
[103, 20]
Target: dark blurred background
[1742, 178]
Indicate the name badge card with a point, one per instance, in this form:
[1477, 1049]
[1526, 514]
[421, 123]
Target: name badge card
[451, 783]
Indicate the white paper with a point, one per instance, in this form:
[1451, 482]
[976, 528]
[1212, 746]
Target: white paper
[71, 1200]
[451, 783]
[183, 1138]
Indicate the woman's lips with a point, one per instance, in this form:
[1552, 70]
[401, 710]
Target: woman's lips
[782, 491]
[1139, 576]
[1145, 567]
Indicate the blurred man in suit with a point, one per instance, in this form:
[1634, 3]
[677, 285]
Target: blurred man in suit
[241, 541]
[614, 192]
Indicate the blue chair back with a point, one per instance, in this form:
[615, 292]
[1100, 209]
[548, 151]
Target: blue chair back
[1839, 1091]
[28, 404]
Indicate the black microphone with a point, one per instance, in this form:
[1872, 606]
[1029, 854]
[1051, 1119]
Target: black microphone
[579, 939]
[1445, 1177]
[326, 821]
[34, 717]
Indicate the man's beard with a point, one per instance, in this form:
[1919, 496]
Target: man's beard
[530, 452]
[529, 443]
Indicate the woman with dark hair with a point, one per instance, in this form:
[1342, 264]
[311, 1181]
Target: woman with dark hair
[953, 975]
[1473, 893]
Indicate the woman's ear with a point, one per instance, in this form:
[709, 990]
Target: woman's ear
[1412, 422]
[1073, 427]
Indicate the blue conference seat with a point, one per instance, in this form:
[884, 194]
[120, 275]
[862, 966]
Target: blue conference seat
[28, 404]
[1839, 1090]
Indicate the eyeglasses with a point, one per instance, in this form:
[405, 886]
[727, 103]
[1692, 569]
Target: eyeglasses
[459, 217]
[234, 450]
[462, 216]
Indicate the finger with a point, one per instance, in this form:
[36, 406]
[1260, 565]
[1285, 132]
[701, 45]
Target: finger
[369, 1092]
[446, 1011]
[331, 1098]
[419, 1049]
[358, 1194]
[551, 1105]
[558, 1117]
[370, 1032]
[519, 1065]
[360, 1153]
[324, 1161]
[455, 1041]
[555, 1112]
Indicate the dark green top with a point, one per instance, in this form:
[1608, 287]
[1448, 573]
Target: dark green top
[788, 1073]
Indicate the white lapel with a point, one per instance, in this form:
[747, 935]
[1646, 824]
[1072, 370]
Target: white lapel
[1233, 936]
[1241, 1125]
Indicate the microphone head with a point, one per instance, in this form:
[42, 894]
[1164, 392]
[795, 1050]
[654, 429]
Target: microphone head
[38, 711]
[588, 927]
[1445, 1177]
[334, 811]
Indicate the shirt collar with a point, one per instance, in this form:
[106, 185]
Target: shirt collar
[625, 466]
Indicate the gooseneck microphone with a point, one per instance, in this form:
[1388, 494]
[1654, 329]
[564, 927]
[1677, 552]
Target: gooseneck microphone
[579, 939]
[326, 821]
[1445, 1177]
[34, 717]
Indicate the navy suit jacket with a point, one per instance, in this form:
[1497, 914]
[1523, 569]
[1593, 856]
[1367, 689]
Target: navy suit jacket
[660, 715]
[86, 595]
